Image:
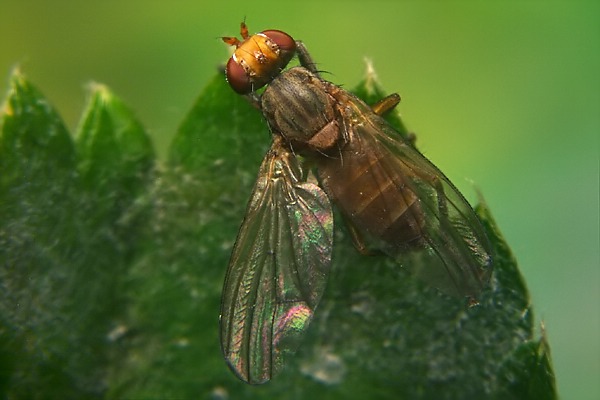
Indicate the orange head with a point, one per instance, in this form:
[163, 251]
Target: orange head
[257, 59]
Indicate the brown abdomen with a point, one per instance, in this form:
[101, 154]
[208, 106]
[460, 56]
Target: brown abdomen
[373, 197]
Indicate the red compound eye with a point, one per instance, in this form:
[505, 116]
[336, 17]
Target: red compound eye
[238, 78]
[281, 39]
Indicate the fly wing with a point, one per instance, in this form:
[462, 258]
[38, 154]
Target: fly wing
[454, 253]
[278, 269]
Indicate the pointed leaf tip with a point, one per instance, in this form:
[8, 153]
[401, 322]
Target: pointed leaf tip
[113, 146]
[33, 137]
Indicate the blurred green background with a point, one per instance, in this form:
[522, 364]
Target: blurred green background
[505, 94]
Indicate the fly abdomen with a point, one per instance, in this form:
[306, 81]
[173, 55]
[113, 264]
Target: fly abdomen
[371, 197]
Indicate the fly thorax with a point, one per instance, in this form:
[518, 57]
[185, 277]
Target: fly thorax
[297, 106]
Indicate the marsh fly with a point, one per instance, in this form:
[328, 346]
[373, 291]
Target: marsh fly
[392, 197]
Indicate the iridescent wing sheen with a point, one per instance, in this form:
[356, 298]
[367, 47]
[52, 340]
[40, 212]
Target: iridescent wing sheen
[278, 268]
[455, 254]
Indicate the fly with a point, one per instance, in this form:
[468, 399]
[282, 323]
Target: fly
[394, 199]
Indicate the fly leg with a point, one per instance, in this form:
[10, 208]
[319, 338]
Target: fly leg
[442, 204]
[305, 59]
[254, 100]
[470, 278]
[358, 241]
[386, 104]
[441, 200]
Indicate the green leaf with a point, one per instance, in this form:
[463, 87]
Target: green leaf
[63, 260]
[527, 373]
[112, 145]
[37, 159]
[34, 139]
[126, 265]
[115, 163]
[218, 129]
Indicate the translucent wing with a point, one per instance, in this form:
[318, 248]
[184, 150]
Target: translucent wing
[424, 221]
[278, 268]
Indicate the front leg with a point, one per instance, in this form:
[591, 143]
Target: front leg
[305, 59]
[254, 99]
